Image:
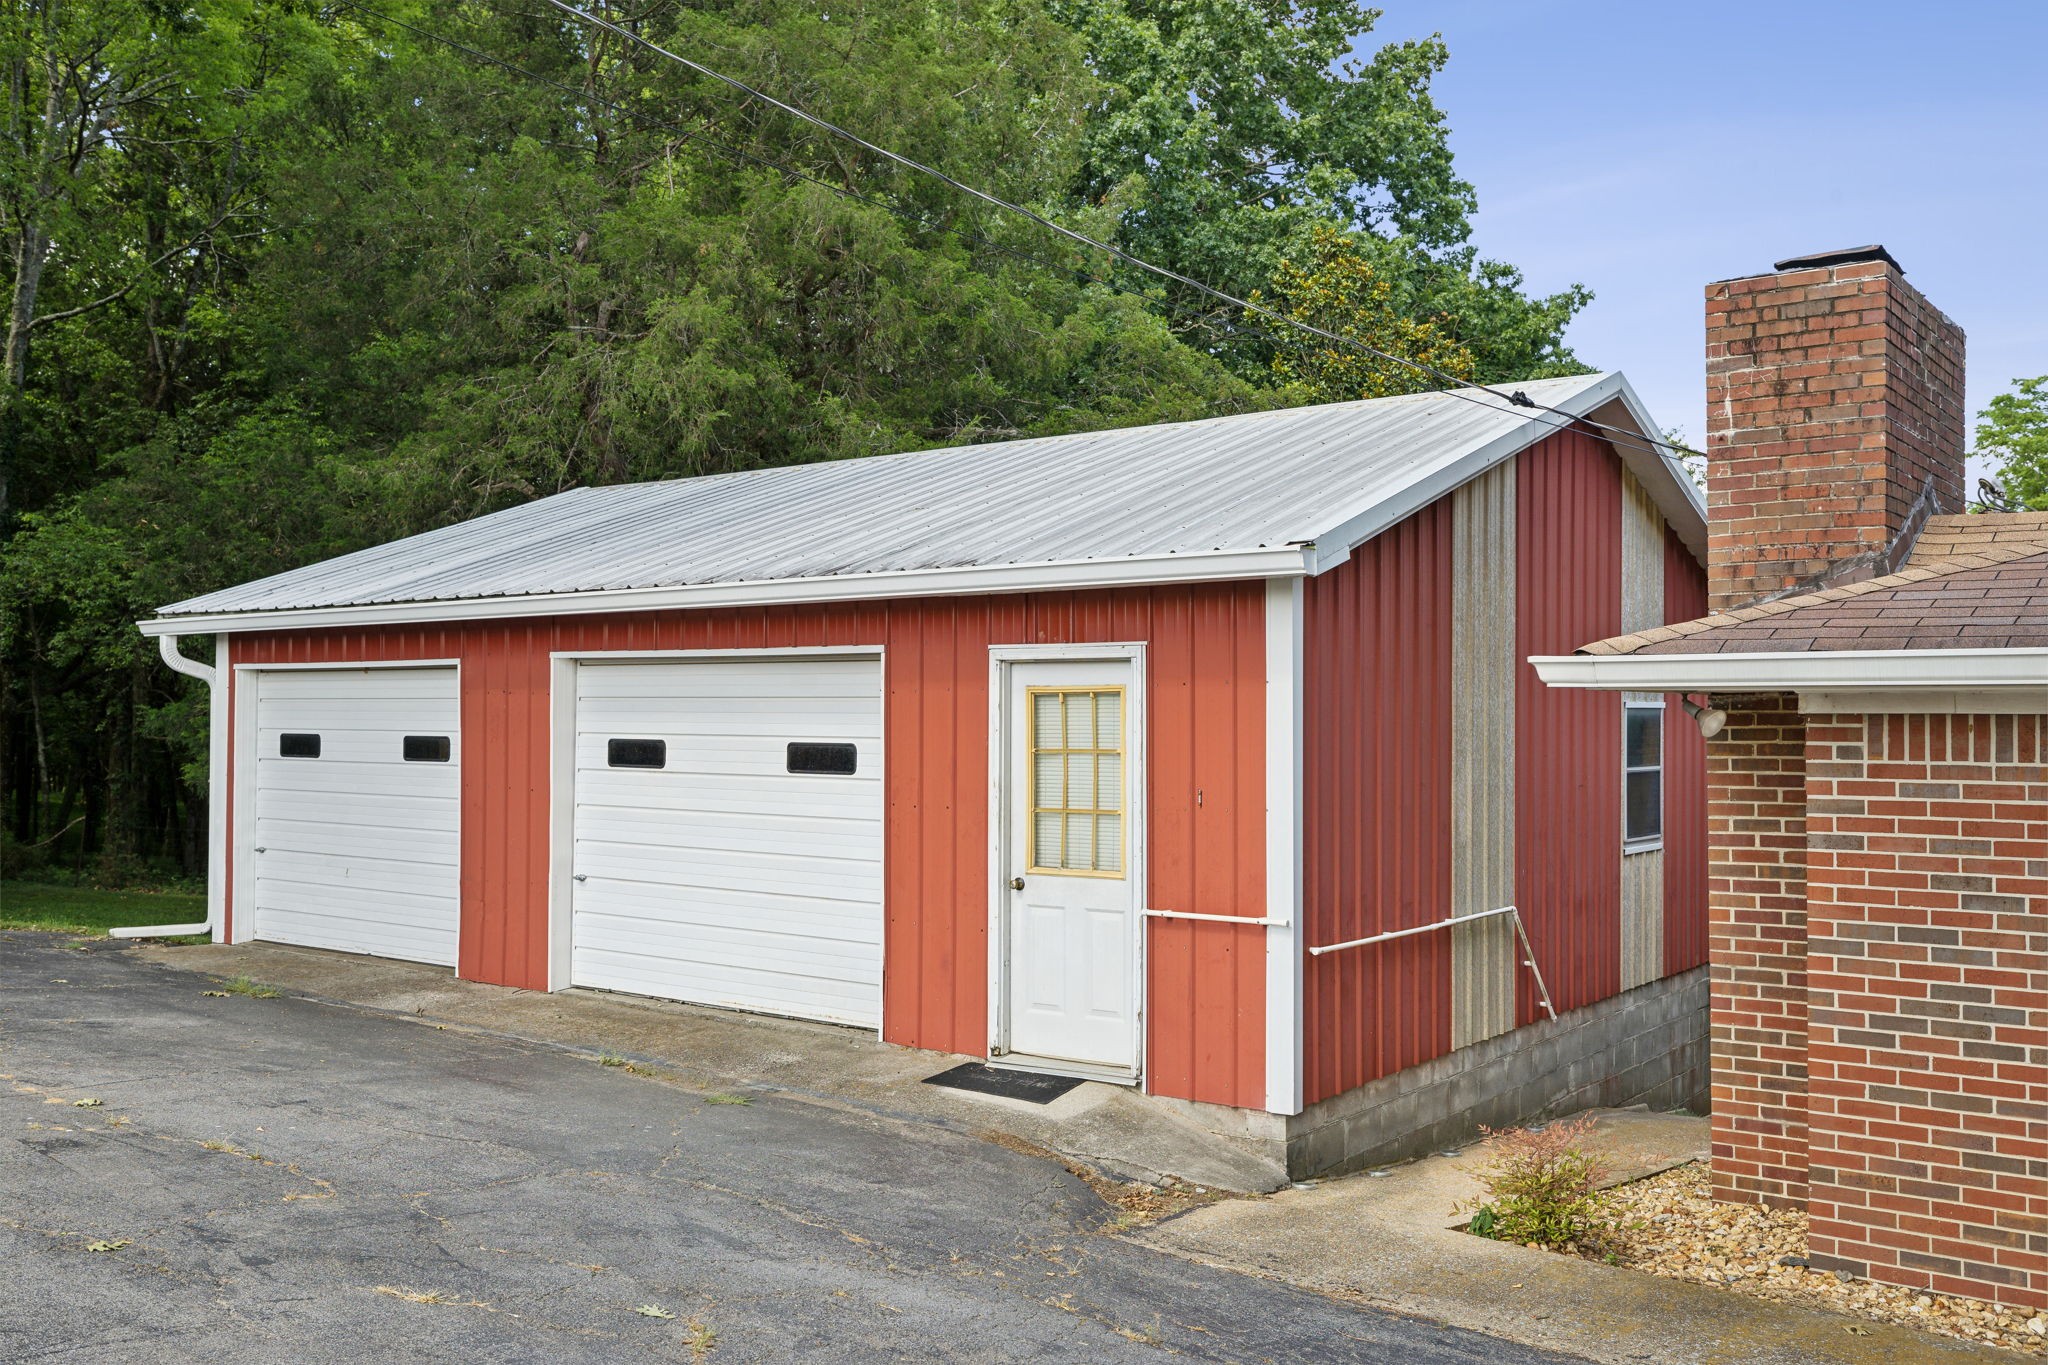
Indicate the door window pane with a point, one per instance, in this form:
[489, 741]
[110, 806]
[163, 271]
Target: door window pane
[1077, 783]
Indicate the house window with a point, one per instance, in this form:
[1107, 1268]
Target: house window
[1642, 760]
[1077, 780]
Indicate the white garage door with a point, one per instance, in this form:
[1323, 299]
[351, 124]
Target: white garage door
[356, 843]
[728, 840]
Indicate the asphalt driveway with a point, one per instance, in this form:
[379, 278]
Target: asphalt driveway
[279, 1179]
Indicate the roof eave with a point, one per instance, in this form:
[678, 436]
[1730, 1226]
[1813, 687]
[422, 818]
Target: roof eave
[1285, 561]
[1840, 670]
[1660, 472]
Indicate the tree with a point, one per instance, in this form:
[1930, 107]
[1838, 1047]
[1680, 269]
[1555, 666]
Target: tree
[1340, 291]
[1228, 133]
[2012, 432]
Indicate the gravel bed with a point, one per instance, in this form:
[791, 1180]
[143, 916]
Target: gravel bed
[1670, 1225]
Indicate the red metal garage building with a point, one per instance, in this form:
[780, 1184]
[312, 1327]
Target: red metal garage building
[1094, 754]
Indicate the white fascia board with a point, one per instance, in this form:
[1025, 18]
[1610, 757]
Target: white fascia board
[1060, 576]
[1839, 670]
[1334, 546]
[1680, 499]
[1661, 471]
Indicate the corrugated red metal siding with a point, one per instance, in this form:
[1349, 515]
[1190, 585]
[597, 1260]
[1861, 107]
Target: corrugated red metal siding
[1206, 1006]
[1685, 783]
[1568, 741]
[1376, 703]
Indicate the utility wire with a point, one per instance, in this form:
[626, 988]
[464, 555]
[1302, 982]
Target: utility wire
[698, 136]
[1464, 388]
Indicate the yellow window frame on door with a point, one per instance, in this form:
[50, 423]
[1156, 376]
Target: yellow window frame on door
[1066, 811]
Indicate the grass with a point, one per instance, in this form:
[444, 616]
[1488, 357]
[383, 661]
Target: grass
[88, 913]
[255, 990]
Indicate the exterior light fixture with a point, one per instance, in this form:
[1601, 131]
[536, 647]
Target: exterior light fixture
[1710, 719]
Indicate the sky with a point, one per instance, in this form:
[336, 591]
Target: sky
[1648, 148]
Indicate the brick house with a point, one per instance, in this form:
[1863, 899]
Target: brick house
[1877, 665]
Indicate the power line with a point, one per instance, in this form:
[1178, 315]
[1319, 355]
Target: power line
[1464, 387]
[1515, 398]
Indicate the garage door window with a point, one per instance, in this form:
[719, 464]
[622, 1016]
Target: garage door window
[426, 748]
[298, 746]
[1077, 781]
[636, 753]
[839, 760]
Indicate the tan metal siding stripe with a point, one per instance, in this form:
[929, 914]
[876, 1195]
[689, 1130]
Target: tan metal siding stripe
[1483, 753]
[1642, 607]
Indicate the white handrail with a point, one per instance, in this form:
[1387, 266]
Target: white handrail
[1268, 923]
[1514, 915]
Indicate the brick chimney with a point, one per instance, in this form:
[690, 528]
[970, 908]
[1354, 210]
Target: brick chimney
[1834, 423]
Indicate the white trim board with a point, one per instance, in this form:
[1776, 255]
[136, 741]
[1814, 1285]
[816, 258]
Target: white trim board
[1797, 671]
[1284, 1023]
[1057, 576]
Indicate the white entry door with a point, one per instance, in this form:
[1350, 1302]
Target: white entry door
[728, 833]
[354, 841]
[1070, 937]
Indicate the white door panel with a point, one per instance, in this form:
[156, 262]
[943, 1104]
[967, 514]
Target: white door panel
[721, 877]
[1069, 969]
[357, 848]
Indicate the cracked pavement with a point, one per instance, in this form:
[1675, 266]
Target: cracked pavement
[273, 1179]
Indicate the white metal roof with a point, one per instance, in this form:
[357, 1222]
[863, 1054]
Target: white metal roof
[1287, 491]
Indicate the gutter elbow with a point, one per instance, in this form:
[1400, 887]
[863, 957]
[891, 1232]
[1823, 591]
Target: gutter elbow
[167, 646]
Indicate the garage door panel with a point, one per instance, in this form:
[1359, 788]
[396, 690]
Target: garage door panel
[359, 849]
[849, 840]
[656, 904]
[830, 878]
[721, 877]
[369, 813]
[424, 882]
[832, 1001]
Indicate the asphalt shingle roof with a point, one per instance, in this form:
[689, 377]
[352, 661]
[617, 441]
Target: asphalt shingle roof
[1972, 582]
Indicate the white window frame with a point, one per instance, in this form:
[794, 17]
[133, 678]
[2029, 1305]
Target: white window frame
[1648, 843]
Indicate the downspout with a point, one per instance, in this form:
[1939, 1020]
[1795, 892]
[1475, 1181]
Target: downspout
[214, 676]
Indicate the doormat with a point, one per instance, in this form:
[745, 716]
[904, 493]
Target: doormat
[1032, 1086]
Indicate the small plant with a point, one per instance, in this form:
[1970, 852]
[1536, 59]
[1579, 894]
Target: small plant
[718, 1097]
[1542, 1188]
[255, 990]
[610, 1059]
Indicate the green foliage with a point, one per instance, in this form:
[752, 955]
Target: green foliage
[337, 282]
[1542, 1188]
[1340, 291]
[2012, 432]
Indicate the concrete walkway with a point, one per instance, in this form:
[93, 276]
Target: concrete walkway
[1110, 1127]
[1390, 1241]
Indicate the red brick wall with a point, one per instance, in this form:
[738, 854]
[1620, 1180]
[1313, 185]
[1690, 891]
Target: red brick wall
[1927, 972]
[1833, 395]
[1756, 914]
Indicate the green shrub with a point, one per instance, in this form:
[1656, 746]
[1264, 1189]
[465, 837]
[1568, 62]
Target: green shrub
[1542, 1188]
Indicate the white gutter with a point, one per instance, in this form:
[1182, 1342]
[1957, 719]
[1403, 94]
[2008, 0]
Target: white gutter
[215, 678]
[1834, 670]
[1288, 561]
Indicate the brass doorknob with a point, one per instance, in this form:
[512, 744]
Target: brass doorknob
[1016, 883]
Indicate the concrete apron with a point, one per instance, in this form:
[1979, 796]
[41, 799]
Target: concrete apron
[1391, 1240]
[1111, 1128]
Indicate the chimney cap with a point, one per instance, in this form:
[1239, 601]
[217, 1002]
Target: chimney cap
[1849, 255]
